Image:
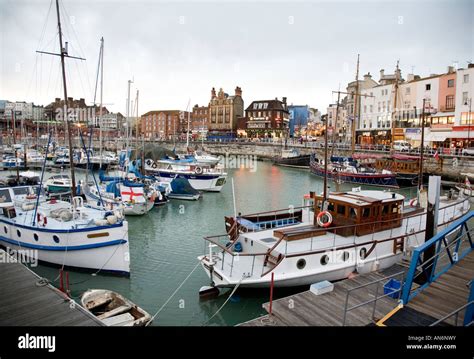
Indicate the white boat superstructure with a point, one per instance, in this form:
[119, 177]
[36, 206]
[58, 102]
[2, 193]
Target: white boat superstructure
[209, 178]
[60, 233]
[370, 230]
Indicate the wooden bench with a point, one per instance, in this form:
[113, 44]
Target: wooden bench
[119, 310]
[119, 320]
[292, 234]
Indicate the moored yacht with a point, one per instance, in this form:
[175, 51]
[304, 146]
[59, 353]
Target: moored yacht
[62, 233]
[209, 178]
[360, 231]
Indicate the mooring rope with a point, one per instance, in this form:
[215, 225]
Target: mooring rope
[172, 295]
[228, 298]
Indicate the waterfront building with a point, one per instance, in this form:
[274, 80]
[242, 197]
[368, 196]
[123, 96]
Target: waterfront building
[224, 110]
[463, 131]
[267, 119]
[302, 116]
[199, 121]
[161, 124]
[337, 121]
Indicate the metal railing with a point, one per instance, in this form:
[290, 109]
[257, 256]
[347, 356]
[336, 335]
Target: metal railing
[445, 246]
[455, 313]
[376, 297]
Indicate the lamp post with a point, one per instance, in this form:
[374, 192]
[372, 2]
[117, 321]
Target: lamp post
[468, 122]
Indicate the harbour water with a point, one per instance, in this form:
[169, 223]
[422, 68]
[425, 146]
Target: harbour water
[165, 243]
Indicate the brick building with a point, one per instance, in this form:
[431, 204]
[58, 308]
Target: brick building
[224, 110]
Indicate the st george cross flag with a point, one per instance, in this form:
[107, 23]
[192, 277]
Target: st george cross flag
[436, 155]
[131, 194]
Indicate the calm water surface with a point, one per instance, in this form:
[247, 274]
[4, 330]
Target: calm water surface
[165, 243]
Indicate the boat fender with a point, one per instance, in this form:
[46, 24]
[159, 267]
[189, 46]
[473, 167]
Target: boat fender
[413, 202]
[111, 219]
[31, 196]
[148, 162]
[198, 170]
[153, 165]
[326, 222]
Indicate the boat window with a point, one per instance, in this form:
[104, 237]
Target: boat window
[18, 233]
[324, 260]
[341, 209]
[301, 263]
[385, 209]
[5, 229]
[5, 196]
[35, 236]
[331, 206]
[363, 253]
[366, 212]
[395, 208]
[345, 256]
[353, 212]
[56, 239]
[20, 190]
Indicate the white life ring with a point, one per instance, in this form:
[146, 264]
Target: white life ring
[414, 202]
[153, 165]
[198, 170]
[327, 222]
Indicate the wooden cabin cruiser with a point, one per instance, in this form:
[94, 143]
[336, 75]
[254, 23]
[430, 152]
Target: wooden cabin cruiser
[209, 178]
[114, 309]
[62, 233]
[405, 167]
[347, 169]
[360, 231]
[292, 158]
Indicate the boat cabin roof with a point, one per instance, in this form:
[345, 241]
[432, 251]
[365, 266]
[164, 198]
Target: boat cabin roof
[364, 198]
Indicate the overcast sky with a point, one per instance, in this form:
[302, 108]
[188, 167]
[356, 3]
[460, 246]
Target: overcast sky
[176, 51]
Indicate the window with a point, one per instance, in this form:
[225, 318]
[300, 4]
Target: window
[451, 83]
[363, 253]
[341, 209]
[331, 206]
[18, 233]
[407, 91]
[352, 212]
[428, 87]
[345, 256]
[301, 263]
[385, 209]
[450, 102]
[464, 98]
[5, 229]
[365, 108]
[35, 236]
[324, 260]
[366, 212]
[56, 238]
[465, 78]
[371, 108]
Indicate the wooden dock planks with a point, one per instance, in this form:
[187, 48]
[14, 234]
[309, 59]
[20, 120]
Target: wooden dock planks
[24, 303]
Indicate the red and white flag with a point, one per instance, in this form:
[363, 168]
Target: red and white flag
[436, 155]
[131, 194]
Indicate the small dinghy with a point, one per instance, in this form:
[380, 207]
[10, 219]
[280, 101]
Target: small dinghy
[113, 309]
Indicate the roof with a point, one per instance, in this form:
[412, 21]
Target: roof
[271, 105]
[362, 198]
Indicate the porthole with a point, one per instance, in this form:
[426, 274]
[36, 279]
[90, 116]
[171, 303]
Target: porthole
[324, 260]
[363, 253]
[35, 236]
[18, 233]
[56, 239]
[345, 256]
[5, 229]
[301, 263]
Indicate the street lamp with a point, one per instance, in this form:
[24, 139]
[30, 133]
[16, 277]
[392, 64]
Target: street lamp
[468, 122]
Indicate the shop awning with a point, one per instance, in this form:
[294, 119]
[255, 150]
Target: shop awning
[461, 134]
[437, 137]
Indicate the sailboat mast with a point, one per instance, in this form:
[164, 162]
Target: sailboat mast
[136, 120]
[356, 98]
[325, 191]
[66, 118]
[335, 122]
[394, 110]
[101, 98]
[189, 118]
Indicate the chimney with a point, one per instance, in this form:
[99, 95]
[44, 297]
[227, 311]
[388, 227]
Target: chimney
[410, 77]
[82, 102]
[213, 93]
[450, 69]
[238, 91]
[470, 65]
[284, 101]
[367, 76]
[382, 74]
